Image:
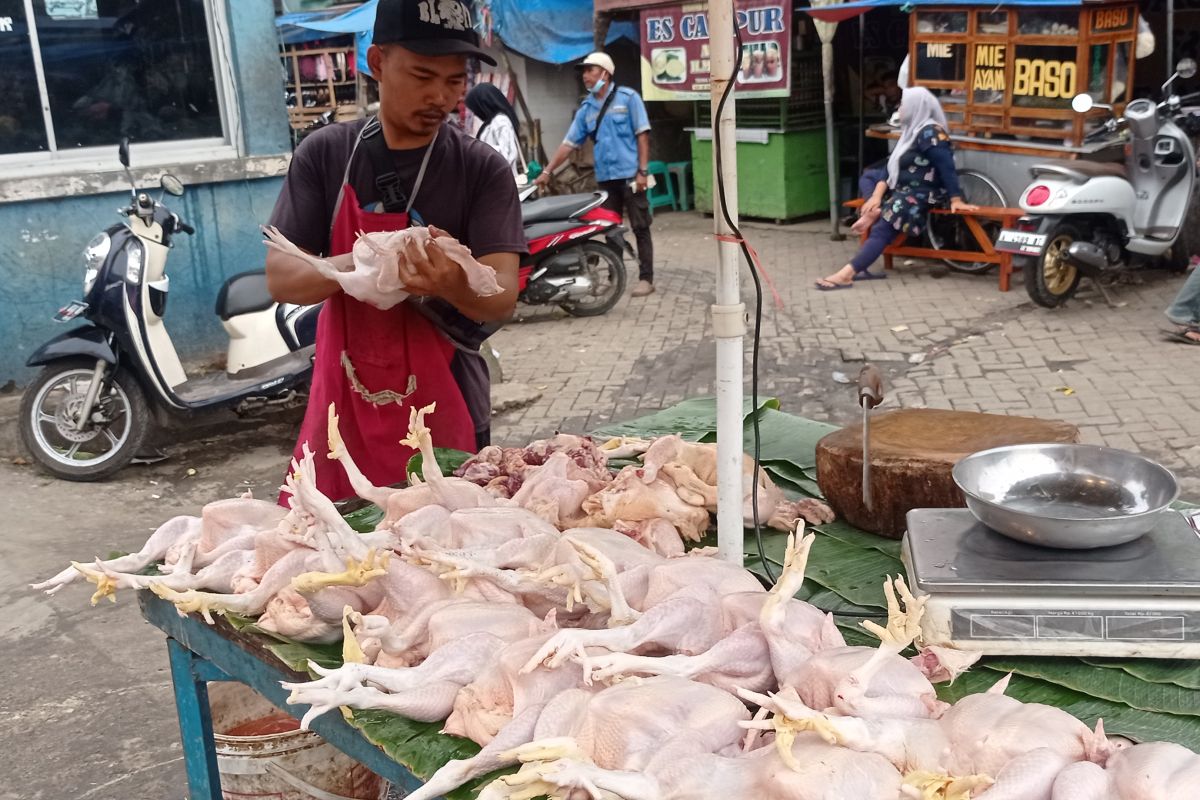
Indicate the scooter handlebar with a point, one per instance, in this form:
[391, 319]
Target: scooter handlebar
[180, 225]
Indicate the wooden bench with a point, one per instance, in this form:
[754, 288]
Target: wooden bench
[986, 253]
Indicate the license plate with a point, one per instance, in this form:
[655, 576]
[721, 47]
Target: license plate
[1021, 243]
[70, 311]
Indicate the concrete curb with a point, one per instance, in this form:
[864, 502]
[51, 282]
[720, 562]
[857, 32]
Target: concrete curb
[10, 436]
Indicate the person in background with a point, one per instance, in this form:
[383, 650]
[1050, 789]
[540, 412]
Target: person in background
[1185, 310]
[405, 167]
[615, 119]
[498, 123]
[920, 172]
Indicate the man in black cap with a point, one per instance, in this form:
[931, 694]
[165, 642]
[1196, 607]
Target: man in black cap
[407, 167]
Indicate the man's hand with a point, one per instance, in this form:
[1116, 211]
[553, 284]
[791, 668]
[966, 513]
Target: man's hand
[543, 179]
[642, 182]
[430, 272]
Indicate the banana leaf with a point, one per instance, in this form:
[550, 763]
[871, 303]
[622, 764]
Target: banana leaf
[693, 419]
[297, 654]
[853, 536]
[1179, 673]
[1105, 683]
[783, 437]
[785, 474]
[365, 519]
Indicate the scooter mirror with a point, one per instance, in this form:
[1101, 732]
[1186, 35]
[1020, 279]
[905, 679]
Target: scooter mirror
[1082, 103]
[123, 152]
[171, 185]
[1186, 68]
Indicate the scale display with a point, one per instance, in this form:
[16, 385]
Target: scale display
[990, 593]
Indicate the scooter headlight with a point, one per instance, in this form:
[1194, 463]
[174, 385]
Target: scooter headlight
[1037, 195]
[134, 256]
[93, 258]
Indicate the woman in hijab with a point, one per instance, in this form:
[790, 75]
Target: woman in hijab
[920, 173]
[499, 123]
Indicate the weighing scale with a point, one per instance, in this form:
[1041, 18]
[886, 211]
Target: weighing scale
[993, 594]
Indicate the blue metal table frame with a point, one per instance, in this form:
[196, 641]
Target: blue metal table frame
[201, 653]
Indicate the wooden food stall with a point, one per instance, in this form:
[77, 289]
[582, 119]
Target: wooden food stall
[1005, 75]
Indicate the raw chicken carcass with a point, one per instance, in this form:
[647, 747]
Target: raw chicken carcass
[630, 498]
[621, 727]
[437, 490]
[1152, 771]
[692, 469]
[684, 771]
[503, 470]
[382, 262]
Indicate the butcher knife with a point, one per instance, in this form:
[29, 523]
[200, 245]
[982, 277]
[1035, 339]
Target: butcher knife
[870, 394]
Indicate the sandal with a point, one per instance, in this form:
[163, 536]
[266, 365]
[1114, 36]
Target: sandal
[1182, 336]
[824, 285]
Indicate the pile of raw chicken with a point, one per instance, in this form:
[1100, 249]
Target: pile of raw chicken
[547, 610]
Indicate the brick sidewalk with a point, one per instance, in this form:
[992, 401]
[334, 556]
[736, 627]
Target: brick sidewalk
[945, 342]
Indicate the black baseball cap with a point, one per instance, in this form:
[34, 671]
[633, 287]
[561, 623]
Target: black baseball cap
[429, 27]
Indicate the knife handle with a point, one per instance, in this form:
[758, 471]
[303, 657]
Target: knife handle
[870, 386]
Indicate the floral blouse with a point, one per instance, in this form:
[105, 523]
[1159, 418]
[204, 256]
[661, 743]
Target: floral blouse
[927, 176]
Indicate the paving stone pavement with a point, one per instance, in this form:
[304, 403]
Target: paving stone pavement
[942, 340]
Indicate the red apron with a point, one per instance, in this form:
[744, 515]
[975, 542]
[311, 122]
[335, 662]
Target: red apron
[374, 366]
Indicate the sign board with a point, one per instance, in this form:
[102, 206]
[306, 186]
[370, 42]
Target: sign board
[675, 54]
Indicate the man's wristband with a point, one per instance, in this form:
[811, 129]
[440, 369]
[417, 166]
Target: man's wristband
[642, 173]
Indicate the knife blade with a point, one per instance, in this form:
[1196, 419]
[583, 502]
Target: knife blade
[870, 394]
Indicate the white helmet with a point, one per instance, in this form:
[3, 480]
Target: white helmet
[599, 59]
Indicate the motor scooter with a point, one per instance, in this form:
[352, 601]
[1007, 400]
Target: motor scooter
[575, 256]
[1099, 220]
[105, 383]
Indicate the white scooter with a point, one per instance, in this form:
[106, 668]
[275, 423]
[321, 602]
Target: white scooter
[1100, 219]
[89, 411]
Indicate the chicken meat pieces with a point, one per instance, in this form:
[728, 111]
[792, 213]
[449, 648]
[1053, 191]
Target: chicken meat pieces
[692, 469]
[630, 498]
[382, 263]
[503, 470]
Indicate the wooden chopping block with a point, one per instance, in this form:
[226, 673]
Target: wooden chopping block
[912, 453]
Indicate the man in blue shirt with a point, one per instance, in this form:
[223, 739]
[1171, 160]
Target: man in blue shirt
[614, 118]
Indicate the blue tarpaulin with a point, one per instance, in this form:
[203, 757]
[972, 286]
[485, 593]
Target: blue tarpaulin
[555, 31]
[837, 12]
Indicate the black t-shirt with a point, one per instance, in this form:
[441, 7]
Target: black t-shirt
[468, 191]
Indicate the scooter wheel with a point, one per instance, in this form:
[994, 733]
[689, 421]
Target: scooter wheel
[606, 269]
[1050, 279]
[121, 422]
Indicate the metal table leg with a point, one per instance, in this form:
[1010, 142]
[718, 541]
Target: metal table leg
[190, 674]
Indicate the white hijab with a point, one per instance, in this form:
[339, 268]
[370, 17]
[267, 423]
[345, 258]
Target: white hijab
[918, 109]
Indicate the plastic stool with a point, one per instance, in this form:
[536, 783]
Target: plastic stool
[663, 193]
[682, 172]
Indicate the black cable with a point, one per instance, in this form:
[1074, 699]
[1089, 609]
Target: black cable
[758, 296]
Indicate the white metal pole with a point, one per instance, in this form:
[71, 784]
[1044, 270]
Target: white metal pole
[728, 313]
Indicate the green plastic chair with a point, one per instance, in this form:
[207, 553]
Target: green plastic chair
[663, 193]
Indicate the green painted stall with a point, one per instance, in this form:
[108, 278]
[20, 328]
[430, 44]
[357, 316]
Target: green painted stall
[781, 179]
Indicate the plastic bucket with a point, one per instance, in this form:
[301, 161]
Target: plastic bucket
[262, 754]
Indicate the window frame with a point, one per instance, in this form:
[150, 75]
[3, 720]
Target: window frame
[55, 162]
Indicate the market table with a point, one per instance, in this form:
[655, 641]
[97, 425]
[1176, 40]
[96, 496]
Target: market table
[1143, 699]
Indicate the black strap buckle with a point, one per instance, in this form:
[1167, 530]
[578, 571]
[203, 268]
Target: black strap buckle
[393, 197]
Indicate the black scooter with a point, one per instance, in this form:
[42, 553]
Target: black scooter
[105, 383]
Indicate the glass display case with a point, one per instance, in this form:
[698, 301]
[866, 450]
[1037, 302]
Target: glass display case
[1014, 70]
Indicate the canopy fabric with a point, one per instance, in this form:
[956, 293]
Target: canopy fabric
[845, 11]
[555, 31]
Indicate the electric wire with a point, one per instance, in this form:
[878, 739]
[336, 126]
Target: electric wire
[758, 297]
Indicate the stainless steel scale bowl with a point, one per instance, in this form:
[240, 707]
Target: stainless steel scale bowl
[1071, 496]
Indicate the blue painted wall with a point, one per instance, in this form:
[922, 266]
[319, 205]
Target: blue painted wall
[41, 241]
[41, 263]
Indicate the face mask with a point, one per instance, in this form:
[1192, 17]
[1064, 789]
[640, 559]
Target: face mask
[598, 86]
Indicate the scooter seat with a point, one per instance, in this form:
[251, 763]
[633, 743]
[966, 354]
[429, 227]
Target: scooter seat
[1081, 171]
[244, 294]
[560, 207]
